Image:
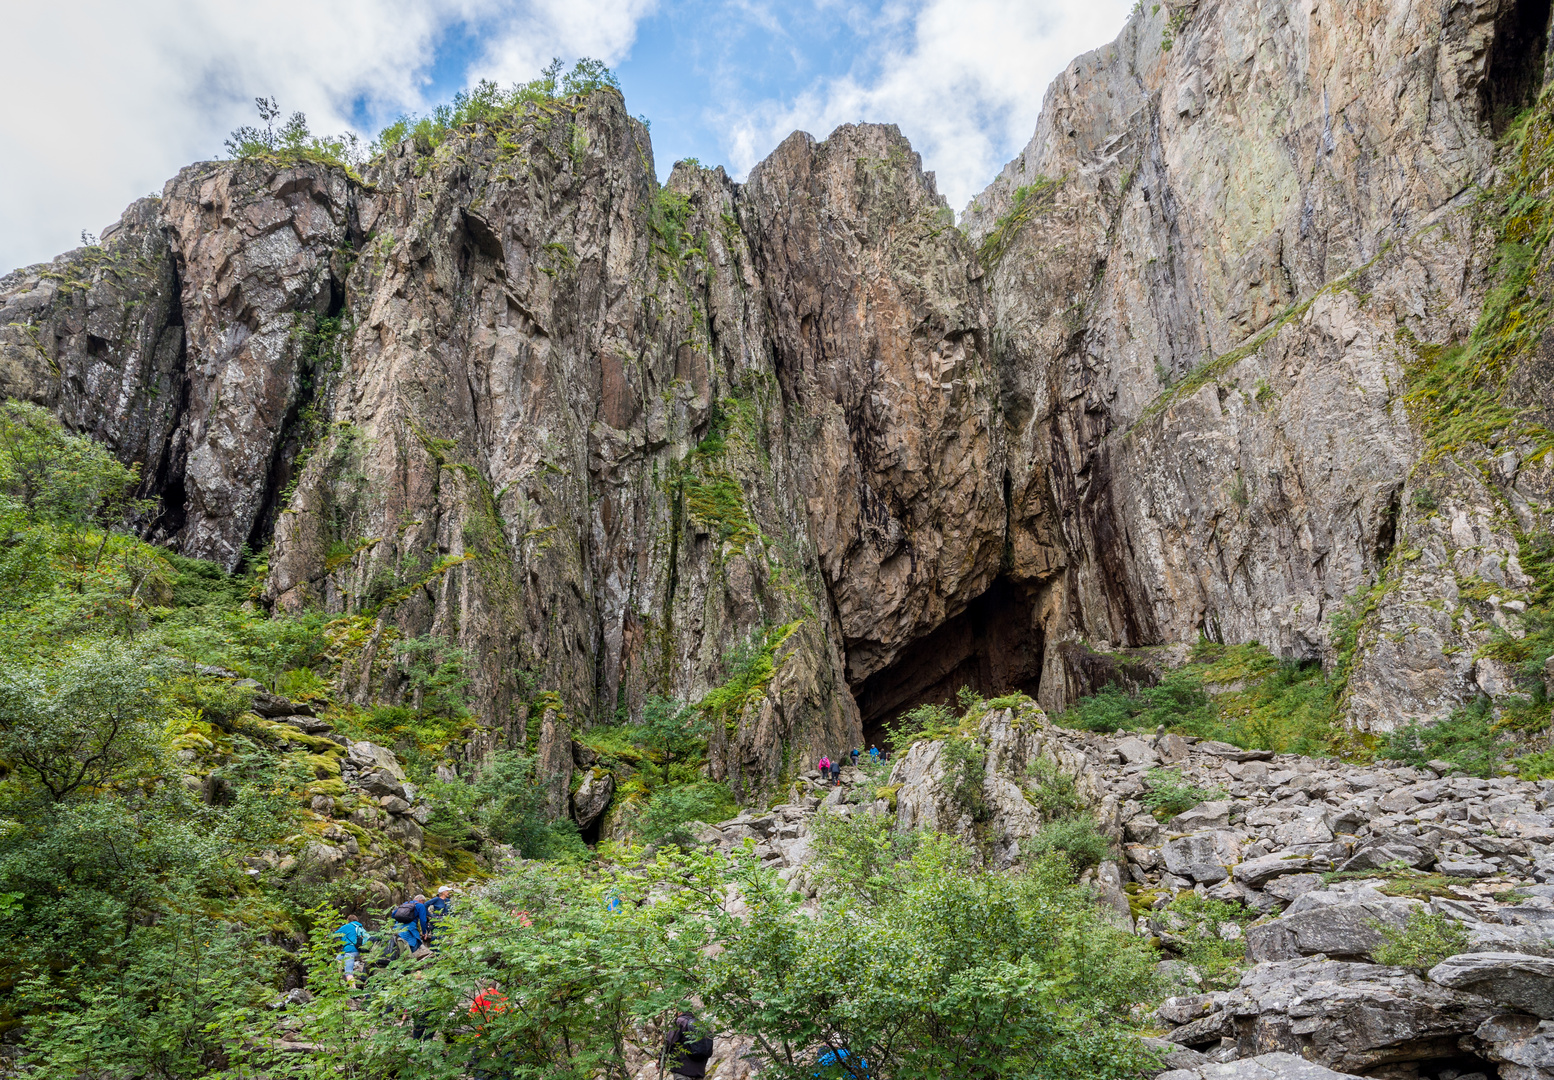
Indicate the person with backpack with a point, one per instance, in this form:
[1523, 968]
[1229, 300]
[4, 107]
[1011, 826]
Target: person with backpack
[688, 1048]
[825, 767]
[874, 753]
[413, 920]
[838, 1062]
[353, 935]
[438, 909]
[857, 753]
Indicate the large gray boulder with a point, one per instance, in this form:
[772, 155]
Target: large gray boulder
[1522, 1045]
[1350, 1017]
[592, 796]
[1204, 856]
[1275, 1066]
[1342, 922]
[1376, 853]
[1258, 872]
[1514, 979]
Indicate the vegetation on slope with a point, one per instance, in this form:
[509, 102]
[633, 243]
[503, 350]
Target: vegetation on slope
[916, 963]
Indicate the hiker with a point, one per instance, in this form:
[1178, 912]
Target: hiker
[353, 935]
[412, 916]
[838, 1061]
[688, 1048]
[874, 753]
[836, 773]
[825, 767]
[438, 909]
[857, 752]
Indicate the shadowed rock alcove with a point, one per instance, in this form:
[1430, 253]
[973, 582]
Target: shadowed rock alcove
[994, 647]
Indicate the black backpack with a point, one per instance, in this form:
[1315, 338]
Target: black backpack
[405, 913]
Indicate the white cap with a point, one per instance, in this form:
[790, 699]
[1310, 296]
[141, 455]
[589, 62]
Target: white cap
[444, 888]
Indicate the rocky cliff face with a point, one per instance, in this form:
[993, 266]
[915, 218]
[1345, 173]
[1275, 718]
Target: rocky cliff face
[615, 440]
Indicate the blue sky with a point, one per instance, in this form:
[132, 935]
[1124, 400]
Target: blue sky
[139, 90]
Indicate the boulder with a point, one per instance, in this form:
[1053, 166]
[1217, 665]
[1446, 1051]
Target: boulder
[309, 725]
[1204, 1031]
[381, 783]
[1468, 868]
[365, 755]
[1522, 1045]
[1334, 922]
[1135, 751]
[1185, 1008]
[1275, 1066]
[1514, 979]
[1234, 753]
[1207, 815]
[1376, 853]
[1306, 829]
[1142, 829]
[1296, 885]
[1259, 872]
[1201, 856]
[275, 707]
[1350, 1017]
[592, 796]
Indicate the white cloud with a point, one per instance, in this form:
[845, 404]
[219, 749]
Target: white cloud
[964, 80]
[107, 99]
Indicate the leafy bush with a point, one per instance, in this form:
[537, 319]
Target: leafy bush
[1170, 793]
[292, 142]
[1465, 738]
[1055, 793]
[1208, 935]
[1424, 940]
[488, 103]
[928, 721]
[1077, 839]
[965, 761]
[671, 808]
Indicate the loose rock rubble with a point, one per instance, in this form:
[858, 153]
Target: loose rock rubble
[1274, 838]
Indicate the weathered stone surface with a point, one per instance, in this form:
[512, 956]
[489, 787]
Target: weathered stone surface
[1274, 1066]
[1341, 921]
[592, 796]
[1258, 872]
[1201, 856]
[368, 755]
[1523, 1045]
[1207, 815]
[1350, 1017]
[1514, 979]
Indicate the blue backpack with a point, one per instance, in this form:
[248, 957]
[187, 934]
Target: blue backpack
[353, 934]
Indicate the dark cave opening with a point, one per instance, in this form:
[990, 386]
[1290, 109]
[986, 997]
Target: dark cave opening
[1515, 71]
[994, 647]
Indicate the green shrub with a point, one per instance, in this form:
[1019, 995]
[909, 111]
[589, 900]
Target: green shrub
[1208, 935]
[1424, 941]
[672, 808]
[1170, 793]
[928, 721]
[1466, 739]
[1055, 793]
[1077, 839]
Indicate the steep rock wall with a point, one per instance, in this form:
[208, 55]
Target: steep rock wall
[614, 439]
[1203, 271]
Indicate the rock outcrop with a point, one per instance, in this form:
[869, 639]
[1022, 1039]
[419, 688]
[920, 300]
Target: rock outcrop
[614, 439]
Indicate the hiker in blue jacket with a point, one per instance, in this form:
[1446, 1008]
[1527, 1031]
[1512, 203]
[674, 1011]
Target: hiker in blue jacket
[414, 921]
[438, 909]
[839, 1062]
[353, 935]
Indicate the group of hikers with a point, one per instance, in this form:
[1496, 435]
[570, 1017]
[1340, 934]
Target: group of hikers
[417, 920]
[831, 768]
[686, 1051]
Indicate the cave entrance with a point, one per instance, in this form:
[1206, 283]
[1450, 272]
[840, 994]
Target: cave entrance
[994, 647]
[1516, 57]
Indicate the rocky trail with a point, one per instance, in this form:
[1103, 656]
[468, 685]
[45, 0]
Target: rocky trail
[1320, 855]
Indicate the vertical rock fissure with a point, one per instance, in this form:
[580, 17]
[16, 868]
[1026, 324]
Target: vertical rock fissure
[1516, 57]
